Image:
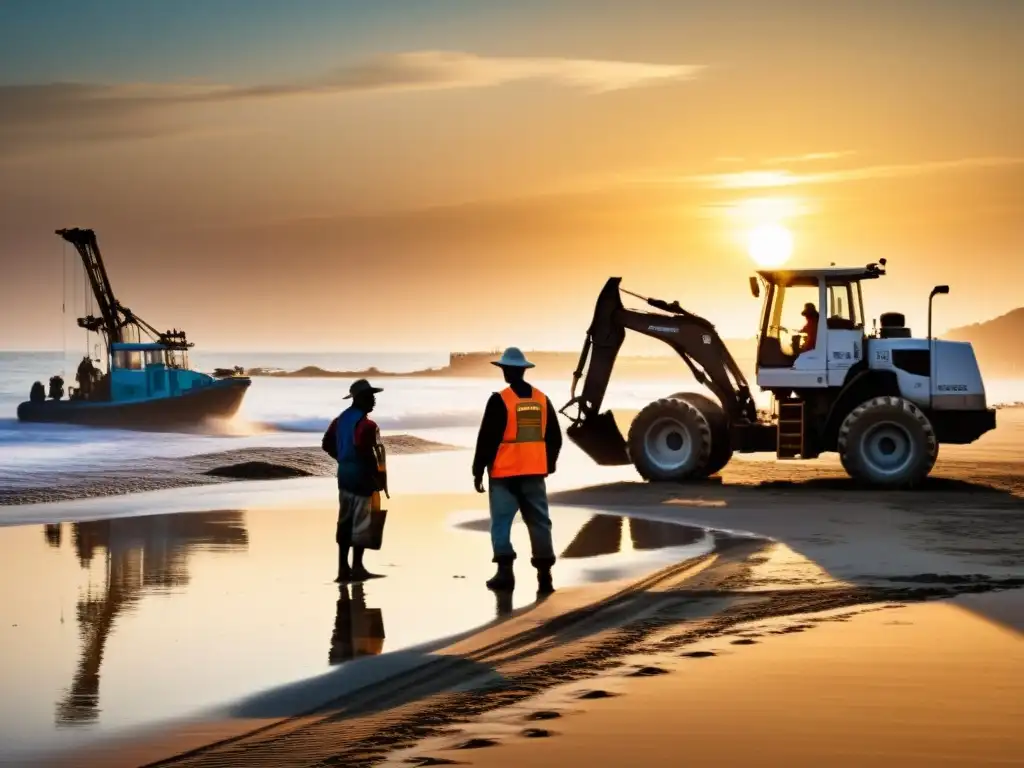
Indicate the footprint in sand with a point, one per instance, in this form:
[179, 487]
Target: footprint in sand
[598, 694]
[744, 641]
[477, 743]
[698, 654]
[536, 733]
[648, 672]
[544, 714]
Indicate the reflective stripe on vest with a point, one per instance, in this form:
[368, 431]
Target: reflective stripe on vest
[523, 450]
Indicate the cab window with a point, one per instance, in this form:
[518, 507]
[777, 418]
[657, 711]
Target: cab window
[154, 357]
[128, 359]
[840, 306]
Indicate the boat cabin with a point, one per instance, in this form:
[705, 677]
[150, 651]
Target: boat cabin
[140, 371]
[827, 304]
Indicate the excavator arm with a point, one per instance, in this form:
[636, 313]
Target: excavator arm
[693, 338]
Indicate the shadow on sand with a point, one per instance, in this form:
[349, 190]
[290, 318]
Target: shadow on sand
[948, 531]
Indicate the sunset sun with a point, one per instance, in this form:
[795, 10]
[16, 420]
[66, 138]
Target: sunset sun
[770, 245]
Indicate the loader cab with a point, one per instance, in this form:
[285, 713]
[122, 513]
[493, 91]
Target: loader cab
[786, 358]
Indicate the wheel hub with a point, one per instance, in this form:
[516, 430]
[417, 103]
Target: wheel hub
[668, 444]
[888, 448]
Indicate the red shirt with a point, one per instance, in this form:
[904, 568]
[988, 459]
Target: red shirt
[810, 331]
[365, 438]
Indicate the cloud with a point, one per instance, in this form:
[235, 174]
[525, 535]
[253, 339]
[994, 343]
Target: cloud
[810, 157]
[453, 69]
[46, 111]
[785, 178]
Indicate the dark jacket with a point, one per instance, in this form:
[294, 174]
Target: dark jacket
[492, 429]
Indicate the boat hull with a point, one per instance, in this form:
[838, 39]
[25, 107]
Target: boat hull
[218, 400]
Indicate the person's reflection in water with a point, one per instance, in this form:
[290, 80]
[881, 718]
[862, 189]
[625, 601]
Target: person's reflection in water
[503, 600]
[52, 534]
[358, 630]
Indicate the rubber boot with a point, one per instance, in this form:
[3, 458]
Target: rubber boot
[505, 578]
[545, 586]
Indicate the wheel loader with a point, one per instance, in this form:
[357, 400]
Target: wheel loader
[884, 401]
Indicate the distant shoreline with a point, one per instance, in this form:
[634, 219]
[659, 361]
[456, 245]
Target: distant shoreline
[479, 365]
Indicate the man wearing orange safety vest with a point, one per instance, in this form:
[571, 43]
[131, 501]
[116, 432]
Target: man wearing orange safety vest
[518, 445]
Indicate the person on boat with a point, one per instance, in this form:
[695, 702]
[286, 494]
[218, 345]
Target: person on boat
[86, 378]
[518, 445]
[352, 440]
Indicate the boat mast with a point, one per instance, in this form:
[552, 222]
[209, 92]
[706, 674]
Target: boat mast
[109, 322]
[113, 317]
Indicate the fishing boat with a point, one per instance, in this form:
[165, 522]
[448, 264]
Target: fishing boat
[147, 384]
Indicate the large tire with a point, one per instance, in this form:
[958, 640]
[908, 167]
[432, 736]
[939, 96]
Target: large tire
[670, 440]
[721, 440]
[887, 442]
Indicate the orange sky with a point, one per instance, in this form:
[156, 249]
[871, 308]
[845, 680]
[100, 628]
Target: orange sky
[459, 179]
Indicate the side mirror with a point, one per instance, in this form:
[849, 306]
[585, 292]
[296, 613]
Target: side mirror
[940, 290]
[755, 287]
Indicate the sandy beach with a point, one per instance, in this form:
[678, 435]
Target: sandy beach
[774, 615]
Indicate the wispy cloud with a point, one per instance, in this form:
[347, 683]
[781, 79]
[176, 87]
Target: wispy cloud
[810, 157]
[96, 109]
[785, 178]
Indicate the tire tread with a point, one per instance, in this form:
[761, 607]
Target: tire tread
[686, 412]
[848, 454]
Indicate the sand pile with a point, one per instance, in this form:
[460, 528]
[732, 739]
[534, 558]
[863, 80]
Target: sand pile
[203, 469]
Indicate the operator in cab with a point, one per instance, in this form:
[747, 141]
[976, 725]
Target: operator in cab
[518, 445]
[352, 440]
[810, 329]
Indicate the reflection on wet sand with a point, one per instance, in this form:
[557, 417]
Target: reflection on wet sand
[141, 554]
[608, 534]
[503, 603]
[358, 630]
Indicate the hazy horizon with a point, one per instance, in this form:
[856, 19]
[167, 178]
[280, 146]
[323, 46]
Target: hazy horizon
[272, 176]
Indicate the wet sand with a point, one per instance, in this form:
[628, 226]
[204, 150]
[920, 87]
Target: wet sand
[784, 645]
[140, 620]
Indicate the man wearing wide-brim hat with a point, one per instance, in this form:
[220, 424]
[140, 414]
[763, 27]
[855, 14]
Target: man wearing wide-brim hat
[518, 445]
[354, 441]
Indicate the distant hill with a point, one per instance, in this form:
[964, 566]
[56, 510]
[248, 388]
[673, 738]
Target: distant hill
[998, 343]
[550, 365]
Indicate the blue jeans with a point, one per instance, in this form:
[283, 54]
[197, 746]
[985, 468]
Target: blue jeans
[528, 495]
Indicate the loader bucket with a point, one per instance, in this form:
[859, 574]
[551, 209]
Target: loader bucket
[599, 437]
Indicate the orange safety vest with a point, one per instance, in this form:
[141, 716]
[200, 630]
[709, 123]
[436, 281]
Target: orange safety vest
[523, 450]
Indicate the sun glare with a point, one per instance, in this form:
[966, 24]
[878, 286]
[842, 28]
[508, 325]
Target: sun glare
[770, 245]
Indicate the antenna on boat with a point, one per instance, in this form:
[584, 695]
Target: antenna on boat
[63, 310]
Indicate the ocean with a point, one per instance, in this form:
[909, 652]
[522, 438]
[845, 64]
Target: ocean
[276, 412]
[284, 413]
